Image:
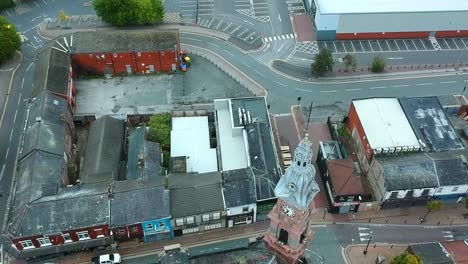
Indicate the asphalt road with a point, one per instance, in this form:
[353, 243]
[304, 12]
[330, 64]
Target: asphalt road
[283, 91]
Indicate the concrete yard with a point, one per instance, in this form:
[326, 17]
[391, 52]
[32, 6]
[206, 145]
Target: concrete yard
[138, 94]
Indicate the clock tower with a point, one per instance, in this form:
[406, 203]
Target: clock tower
[289, 229]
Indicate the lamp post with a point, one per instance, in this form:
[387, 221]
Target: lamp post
[196, 15]
[368, 242]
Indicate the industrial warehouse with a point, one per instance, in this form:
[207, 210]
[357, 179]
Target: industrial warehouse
[388, 19]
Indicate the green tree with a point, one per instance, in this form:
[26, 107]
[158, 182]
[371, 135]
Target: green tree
[350, 61]
[160, 129]
[4, 4]
[323, 62]
[466, 202]
[433, 206]
[406, 258]
[62, 16]
[9, 39]
[130, 12]
[378, 64]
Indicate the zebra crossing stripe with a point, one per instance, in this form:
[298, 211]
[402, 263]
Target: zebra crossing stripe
[283, 37]
[274, 38]
[291, 35]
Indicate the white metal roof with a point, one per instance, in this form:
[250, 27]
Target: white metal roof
[190, 138]
[231, 140]
[385, 123]
[388, 6]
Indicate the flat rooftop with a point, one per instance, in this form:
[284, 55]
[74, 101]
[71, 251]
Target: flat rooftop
[385, 123]
[190, 137]
[389, 6]
[231, 140]
[430, 123]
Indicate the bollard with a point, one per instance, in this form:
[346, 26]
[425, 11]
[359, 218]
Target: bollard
[391, 246]
[405, 221]
[404, 66]
[375, 245]
[386, 221]
[412, 66]
[425, 65]
[438, 223]
[369, 220]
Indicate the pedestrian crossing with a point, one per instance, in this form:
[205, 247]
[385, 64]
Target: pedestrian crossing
[364, 234]
[240, 32]
[256, 9]
[296, 6]
[282, 37]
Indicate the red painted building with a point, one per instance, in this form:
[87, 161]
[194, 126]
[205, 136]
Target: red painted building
[124, 52]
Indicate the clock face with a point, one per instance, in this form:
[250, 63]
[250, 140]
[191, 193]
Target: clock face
[288, 211]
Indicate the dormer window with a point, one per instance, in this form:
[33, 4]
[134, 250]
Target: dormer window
[304, 164]
[298, 163]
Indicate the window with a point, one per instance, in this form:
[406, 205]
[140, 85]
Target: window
[134, 229]
[27, 244]
[304, 164]
[440, 190]
[44, 241]
[216, 216]
[409, 194]
[455, 189]
[245, 209]
[190, 220]
[179, 222]
[393, 195]
[425, 192]
[83, 235]
[149, 226]
[162, 224]
[67, 238]
[206, 217]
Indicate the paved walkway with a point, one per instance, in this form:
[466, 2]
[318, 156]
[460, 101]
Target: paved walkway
[355, 255]
[7, 70]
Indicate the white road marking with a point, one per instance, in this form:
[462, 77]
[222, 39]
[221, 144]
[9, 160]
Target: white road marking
[449, 82]
[364, 234]
[16, 113]
[248, 22]
[11, 134]
[423, 84]
[402, 85]
[355, 89]
[43, 1]
[378, 87]
[397, 58]
[449, 236]
[193, 39]
[329, 91]
[29, 66]
[8, 150]
[229, 53]
[363, 228]
[282, 84]
[213, 44]
[35, 3]
[279, 17]
[259, 73]
[1, 172]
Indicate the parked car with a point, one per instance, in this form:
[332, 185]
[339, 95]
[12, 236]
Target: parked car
[107, 259]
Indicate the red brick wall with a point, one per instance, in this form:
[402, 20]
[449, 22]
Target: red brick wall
[382, 35]
[355, 123]
[452, 34]
[95, 64]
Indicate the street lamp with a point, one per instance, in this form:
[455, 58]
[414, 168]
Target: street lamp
[368, 242]
[196, 15]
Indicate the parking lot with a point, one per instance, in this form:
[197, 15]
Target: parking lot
[392, 45]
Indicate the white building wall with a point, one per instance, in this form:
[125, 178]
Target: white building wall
[326, 22]
[401, 22]
[451, 190]
[239, 210]
[402, 193]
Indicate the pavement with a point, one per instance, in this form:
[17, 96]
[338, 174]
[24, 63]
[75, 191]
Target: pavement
[354, 254]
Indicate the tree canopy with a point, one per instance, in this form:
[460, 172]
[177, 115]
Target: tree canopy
[10, 41]
[323, 62]
[434, 206]
[4, 4]
[160, 129]
[130, 12]
[350, 61]
[406, 258]
[378, 64]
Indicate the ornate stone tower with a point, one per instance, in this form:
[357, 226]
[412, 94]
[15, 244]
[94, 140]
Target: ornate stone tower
[289, 228]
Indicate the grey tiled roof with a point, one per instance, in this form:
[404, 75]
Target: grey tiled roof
[409, 171]
[192, 194]
[46, 137]
[149, 153]
[51, 72]
[263, 160]
[123, 41]
[39, 175]
[450, 167]
[53, 215]
[103, 150]
[47, 107]
[138, 205]
[239, 187]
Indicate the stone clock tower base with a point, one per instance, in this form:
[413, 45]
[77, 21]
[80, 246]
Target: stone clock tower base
[297, 228]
